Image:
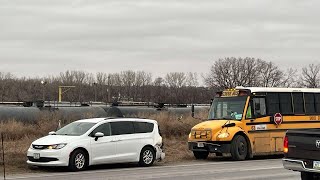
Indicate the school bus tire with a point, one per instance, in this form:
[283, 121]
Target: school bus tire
[201, 154]
[239, 148]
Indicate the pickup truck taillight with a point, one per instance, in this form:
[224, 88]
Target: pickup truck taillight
[285, 144]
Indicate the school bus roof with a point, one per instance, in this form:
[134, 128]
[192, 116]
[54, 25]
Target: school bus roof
[273, 89]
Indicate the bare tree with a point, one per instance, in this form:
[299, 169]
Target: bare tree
[289, 78]
[142, 81]
[232, 72]
[128, 78]
[5, 83]
[270, 75]
[176, 79]
[192, 79]
[310, 76]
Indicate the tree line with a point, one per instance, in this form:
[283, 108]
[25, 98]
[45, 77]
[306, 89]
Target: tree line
[172, 88]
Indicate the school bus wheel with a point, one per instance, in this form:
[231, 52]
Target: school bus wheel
[239, 148]
[200, 154]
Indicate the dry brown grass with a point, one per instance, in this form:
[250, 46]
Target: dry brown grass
[18, 137]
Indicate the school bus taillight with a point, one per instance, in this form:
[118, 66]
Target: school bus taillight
[285, 144]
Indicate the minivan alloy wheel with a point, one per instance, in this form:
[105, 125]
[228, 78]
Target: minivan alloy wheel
[80, 161]
[147, 156]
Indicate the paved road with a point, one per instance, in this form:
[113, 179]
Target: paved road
[254, 169]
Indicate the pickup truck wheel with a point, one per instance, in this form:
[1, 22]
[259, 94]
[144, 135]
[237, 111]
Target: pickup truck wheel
[239, 148]
[307, 176]
[201, 154]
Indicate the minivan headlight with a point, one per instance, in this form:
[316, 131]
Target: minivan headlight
[57, 146]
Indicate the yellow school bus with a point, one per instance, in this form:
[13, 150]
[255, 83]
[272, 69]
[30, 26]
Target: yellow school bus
[248, 121]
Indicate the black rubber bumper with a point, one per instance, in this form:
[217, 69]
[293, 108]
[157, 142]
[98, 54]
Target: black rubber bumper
[211, 147]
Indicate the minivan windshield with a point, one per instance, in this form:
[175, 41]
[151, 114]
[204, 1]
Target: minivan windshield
[230, 108]
[75, 128]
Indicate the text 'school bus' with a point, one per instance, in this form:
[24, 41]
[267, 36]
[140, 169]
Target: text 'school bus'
[248, 121]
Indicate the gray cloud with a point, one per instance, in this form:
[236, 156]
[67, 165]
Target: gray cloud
[40, 37]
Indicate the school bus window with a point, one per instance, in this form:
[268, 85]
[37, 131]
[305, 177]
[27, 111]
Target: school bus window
[227, 108]
[310, 103]
[249, 112]
[317, 101]
[285, 103]
[273, 104]
[259, 105]
[298, 103]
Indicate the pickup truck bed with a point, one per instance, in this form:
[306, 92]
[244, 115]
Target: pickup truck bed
[303, 152]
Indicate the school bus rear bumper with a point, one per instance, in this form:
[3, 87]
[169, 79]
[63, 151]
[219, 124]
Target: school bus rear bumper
[212, 147]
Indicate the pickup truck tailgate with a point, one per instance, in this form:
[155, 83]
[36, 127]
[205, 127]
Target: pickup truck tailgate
[303, 144]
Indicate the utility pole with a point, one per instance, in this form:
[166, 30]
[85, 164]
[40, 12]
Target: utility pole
[95, 91]
[43, 90]
[67, 88]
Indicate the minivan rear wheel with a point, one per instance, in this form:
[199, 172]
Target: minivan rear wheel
[147, 156]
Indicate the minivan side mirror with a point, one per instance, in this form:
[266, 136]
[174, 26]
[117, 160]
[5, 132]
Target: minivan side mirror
[52, 133]
[98, 135]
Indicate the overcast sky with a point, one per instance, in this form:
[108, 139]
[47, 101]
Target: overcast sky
[45, 37]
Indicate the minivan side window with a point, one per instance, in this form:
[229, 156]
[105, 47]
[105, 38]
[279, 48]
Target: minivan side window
[143, 127]
[122, 127]
[104, 128]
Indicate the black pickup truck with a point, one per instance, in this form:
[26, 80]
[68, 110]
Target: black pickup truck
[302, 152]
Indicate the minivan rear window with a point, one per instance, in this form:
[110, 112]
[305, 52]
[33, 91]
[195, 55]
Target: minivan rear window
[143, 127]
[129, 127]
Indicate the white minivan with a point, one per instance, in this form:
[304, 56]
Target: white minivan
[99, 141]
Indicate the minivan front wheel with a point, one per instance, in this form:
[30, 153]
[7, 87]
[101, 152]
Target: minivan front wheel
[147, 156]
[78, 160]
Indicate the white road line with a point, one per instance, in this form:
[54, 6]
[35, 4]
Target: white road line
[24, 176]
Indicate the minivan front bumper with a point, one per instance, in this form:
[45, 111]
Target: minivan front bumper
[48, 157]
[160, 155]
